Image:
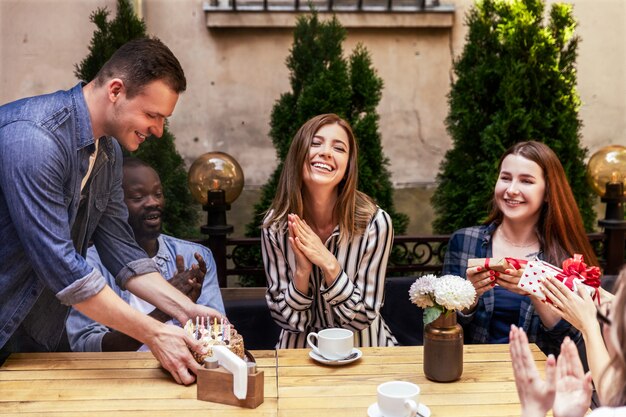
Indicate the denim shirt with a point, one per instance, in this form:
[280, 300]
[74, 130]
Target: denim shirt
[85, 335]
[45, 220]
[475, 242]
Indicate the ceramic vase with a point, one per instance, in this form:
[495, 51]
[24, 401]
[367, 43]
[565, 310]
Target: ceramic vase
[443, 349]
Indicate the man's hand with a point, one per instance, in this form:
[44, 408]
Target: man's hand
[189, 281]
[170, 346]
[198, 310]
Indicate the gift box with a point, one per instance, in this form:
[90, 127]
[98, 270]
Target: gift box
[496, 264]
[573, 274]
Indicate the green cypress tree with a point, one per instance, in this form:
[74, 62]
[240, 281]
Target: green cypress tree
[515, 81]
[323, 81]
[180, 217]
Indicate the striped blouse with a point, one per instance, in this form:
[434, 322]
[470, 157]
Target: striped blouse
[353, 301]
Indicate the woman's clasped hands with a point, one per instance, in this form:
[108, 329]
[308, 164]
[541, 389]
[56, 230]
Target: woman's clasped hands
[307, 242]
[303, 265]
[309, 250]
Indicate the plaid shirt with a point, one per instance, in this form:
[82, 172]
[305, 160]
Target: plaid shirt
[475, 242]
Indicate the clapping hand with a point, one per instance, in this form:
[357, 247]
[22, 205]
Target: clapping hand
[303, 264]
[189, 281]
[536, 395]
[308, 242]
[567, 388]
[573, 385]
[305, 241]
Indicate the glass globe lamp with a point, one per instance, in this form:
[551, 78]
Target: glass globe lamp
[215, 180]
[606, 170]
[215, 171]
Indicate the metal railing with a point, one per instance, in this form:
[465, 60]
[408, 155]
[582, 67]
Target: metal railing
[410, 255]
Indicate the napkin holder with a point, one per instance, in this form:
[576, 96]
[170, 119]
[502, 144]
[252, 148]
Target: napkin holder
[216, 382]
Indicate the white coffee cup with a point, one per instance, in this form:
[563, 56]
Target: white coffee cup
[333, 344]
[398, 399]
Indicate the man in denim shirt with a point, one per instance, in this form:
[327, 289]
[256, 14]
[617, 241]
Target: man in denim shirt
[144, 198]
[60, 187]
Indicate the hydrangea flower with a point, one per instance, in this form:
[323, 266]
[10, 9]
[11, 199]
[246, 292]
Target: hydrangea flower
[421, 289]
[453, 292]
[441, 295]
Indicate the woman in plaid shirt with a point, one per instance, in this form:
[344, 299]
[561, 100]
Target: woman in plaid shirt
[533, 214]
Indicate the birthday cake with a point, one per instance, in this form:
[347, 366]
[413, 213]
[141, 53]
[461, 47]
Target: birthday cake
[216, 334]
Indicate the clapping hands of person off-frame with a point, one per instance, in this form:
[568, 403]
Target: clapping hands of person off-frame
[566, 389]
[536, 395]
[573, 385]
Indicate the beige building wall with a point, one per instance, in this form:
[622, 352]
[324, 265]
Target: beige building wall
[236, 74]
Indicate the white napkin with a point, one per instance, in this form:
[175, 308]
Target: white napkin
[235, 365]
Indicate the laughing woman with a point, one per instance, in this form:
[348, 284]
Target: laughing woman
[325, 244]
[534, 214]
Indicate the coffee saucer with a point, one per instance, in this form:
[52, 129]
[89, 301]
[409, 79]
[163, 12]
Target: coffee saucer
[323, 360]
[374, 411]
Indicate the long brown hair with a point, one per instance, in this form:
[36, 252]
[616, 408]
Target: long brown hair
[617, 365]
[560, 227]
[353, 208]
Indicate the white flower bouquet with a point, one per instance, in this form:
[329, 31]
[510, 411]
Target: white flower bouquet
[437, 295]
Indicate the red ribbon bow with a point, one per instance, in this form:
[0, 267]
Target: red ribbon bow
[575, 269]
[516, 263]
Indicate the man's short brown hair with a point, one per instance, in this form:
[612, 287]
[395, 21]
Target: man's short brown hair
[140, 62]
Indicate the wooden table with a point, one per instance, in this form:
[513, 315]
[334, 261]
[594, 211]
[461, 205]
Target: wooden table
[121, 384]
[132, 384]
[487, 387]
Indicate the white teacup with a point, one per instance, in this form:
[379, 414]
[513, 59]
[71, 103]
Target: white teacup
[333, 344]
[398, 399]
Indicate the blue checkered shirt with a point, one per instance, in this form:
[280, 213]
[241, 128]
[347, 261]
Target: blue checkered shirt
[475, 242]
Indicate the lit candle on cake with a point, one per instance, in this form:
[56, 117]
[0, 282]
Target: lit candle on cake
[215, 328]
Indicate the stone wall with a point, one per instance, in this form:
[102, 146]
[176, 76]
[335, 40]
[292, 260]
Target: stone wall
[236, 73]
